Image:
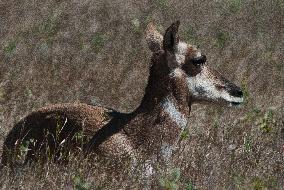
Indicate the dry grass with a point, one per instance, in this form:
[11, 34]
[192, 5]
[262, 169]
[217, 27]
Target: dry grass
[94, 51]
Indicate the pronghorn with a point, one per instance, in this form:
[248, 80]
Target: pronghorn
[179, 77]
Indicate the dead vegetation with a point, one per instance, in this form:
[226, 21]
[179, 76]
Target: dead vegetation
[94, 51]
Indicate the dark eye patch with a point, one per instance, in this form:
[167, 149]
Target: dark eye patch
[199, 60]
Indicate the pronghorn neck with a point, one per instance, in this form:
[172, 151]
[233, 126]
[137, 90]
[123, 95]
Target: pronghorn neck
[167, 95]
[175, 111]
[158, 130]
[156, 90]
[162, 115]
[162, 84]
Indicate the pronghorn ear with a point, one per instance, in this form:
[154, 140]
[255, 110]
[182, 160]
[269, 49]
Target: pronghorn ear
[171, 38]
[154, 38]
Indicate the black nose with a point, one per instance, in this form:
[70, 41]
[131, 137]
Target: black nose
[236, 91]
[199, 60]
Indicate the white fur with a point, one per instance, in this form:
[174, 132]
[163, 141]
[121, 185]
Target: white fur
[147, 167]
[203, 81]
[177, 72]
[180, 52]
[180, 58]
[166, 151]
[176, 116]
[198, 54]
[149, 170]
[182, 48]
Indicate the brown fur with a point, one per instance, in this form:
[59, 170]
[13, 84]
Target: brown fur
[54, 124]
[56, 130]
[112, 133]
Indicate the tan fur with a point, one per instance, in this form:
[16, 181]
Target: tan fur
[56, 130]
[68, 118]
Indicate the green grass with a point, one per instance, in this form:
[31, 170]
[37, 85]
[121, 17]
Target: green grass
[2, 94]
[252, 114]
[189, 186]
[46, 29]
[247, 144]
[81, 184]
[259, 184]
[280, 4]
[170, 182]
[191, 35]
[165, 6]
[185, 134]
[256, 183]
[245, 89]
[24, 147]
[98, 41]
[29, 92]
[10, 47]
[221, 39]
[161, 3]
[235, 5]
[23, 150]
[266, 122]
[136, 25]
[216, 125]
[264, 119]
[238, 180]
[279, 67]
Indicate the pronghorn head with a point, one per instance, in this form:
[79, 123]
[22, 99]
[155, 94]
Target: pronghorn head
[187, 62]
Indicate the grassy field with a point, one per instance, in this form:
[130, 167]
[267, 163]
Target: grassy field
[57, 51]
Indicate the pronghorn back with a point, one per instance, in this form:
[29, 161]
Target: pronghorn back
[62, 125]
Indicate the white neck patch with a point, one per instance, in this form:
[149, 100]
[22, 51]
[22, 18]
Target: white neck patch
[175, 115]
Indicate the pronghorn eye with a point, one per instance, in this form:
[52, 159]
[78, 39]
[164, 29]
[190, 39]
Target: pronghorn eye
[199, 60]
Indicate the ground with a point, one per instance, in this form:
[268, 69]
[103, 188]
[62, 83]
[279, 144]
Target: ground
[87, 51]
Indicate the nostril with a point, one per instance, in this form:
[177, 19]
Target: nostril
[236, 92]
[199, 60]
[239, 93]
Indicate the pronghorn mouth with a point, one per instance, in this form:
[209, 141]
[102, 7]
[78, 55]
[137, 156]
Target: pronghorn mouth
[235, 101]
[235, 104]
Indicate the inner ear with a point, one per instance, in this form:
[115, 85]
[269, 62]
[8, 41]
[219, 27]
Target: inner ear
[171, 38]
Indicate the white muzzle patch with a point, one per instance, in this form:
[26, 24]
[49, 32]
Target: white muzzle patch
[202, 88]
